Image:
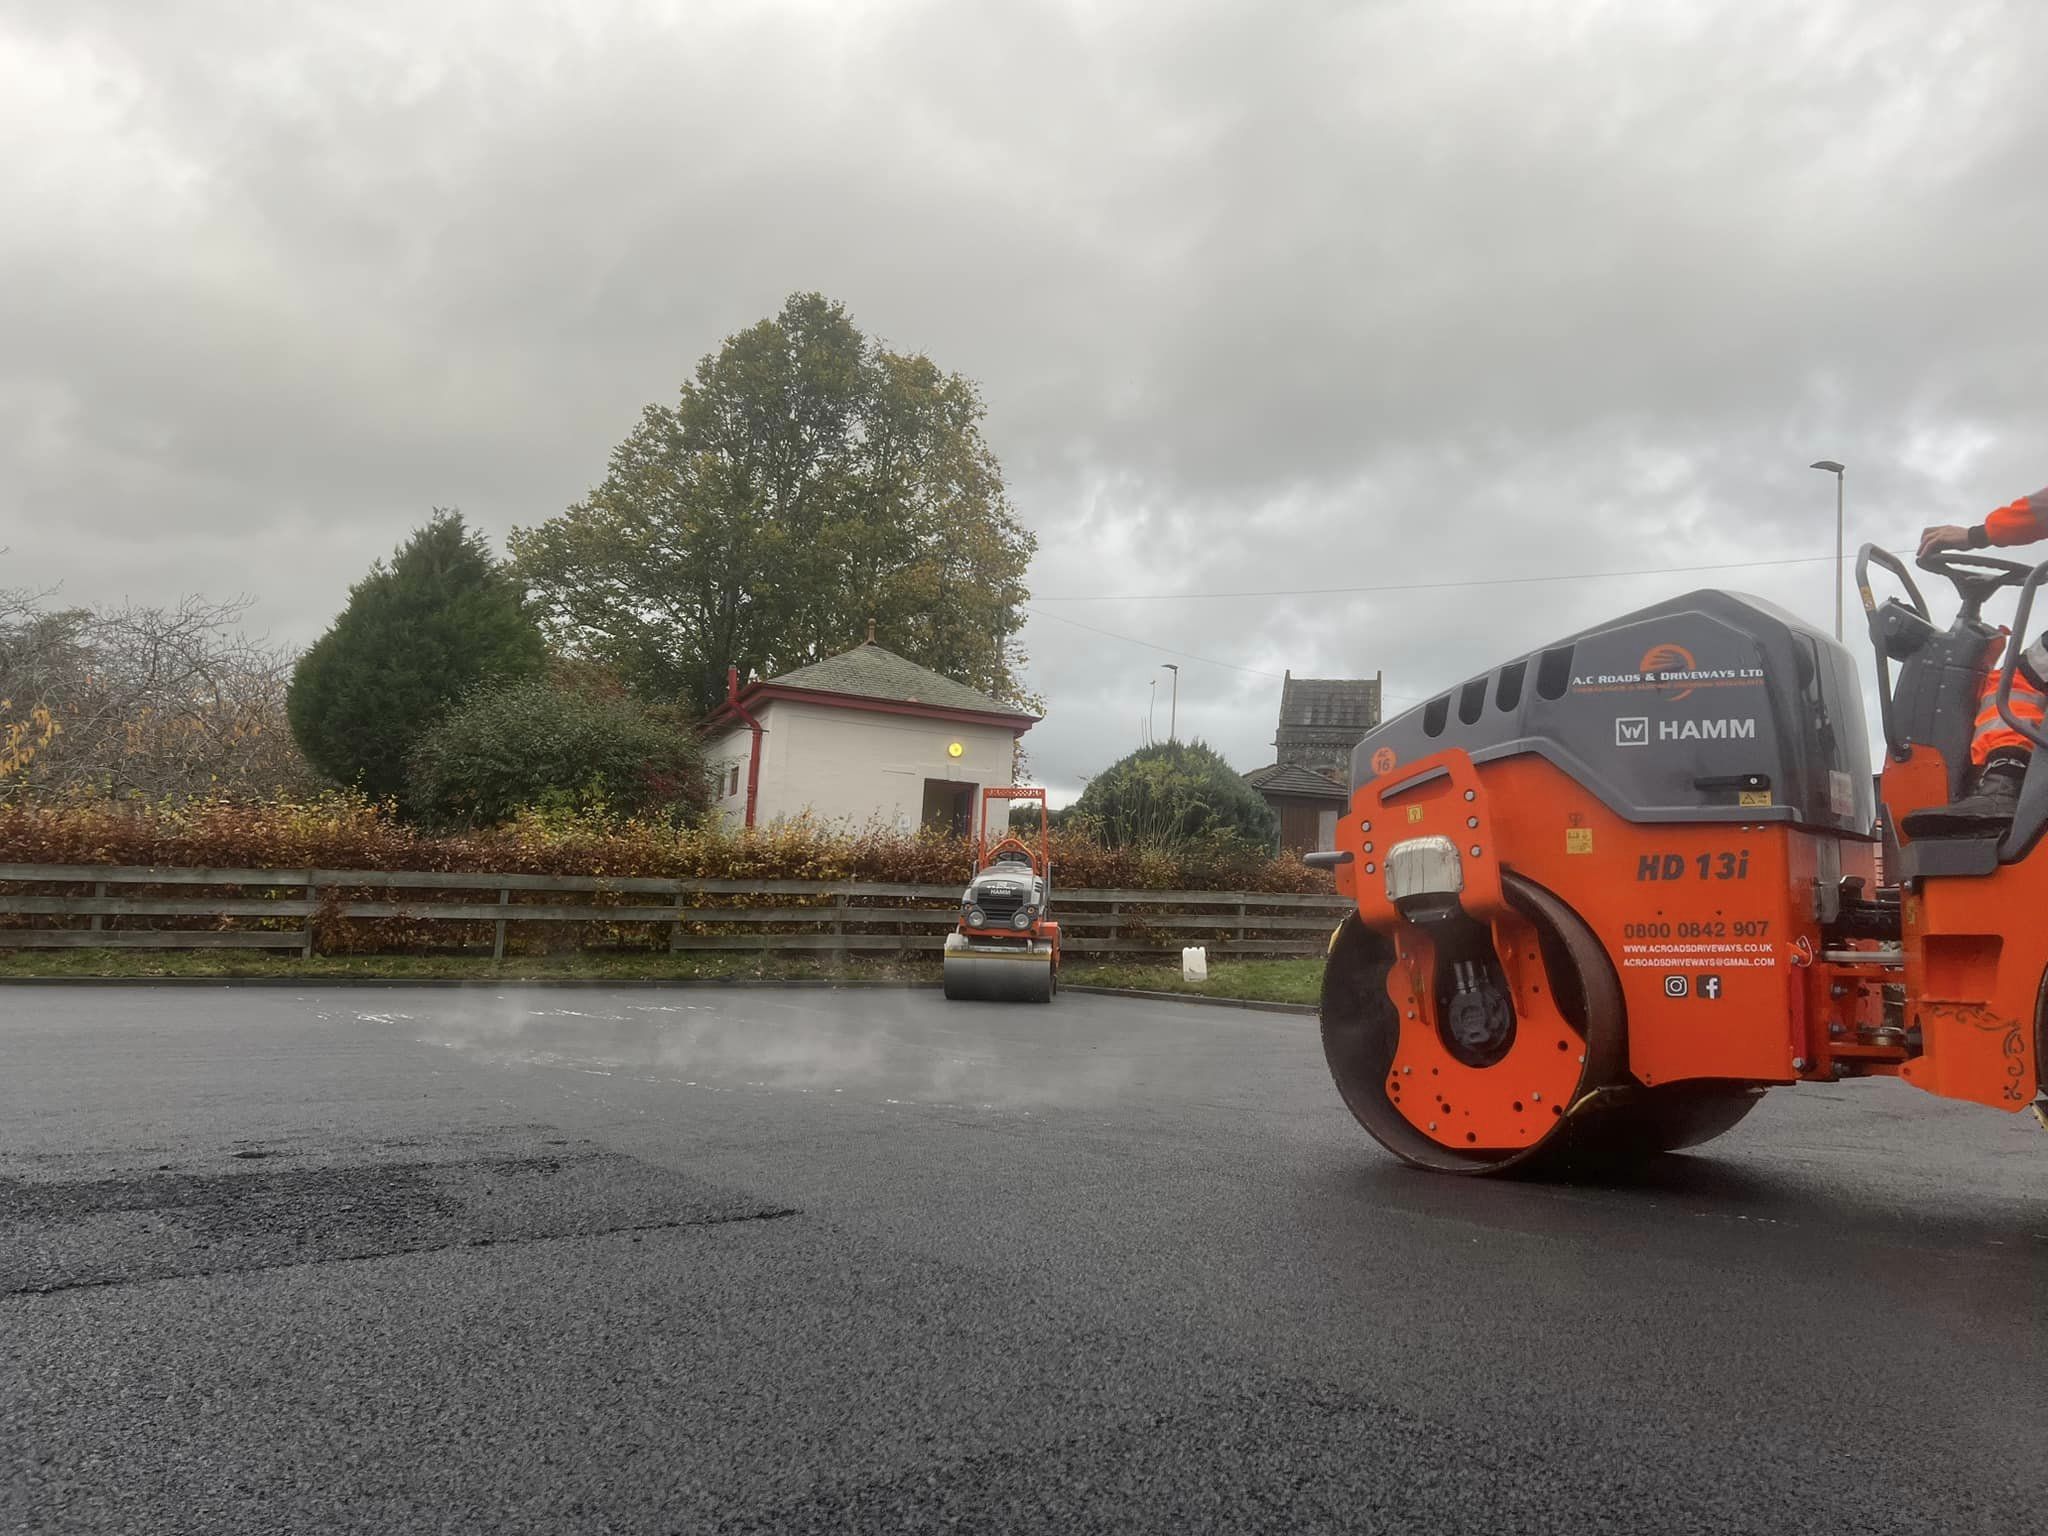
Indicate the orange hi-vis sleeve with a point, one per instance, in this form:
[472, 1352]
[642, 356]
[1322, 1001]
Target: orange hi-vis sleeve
[2019, 522]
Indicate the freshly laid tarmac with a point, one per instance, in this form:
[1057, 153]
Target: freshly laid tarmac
[641, 1261]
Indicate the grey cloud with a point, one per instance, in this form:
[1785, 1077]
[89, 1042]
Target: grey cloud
[1261, 297]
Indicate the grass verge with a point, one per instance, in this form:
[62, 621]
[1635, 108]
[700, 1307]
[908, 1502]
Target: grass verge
[1266, 981]
[1257, 981]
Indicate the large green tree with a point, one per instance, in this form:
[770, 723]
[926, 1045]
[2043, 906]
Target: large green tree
[807, 480]
[417, 634]
[1175, 796]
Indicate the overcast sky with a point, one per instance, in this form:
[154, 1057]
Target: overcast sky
[1262, 297]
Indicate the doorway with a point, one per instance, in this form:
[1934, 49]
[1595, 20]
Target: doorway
[1326, 831]
[948, 807]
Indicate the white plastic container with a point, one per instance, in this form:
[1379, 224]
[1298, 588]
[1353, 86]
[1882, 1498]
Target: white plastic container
[1194, 964]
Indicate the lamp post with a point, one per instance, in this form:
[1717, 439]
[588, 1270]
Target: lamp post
[1151, 711]
[1835, 469]
[1173, 709]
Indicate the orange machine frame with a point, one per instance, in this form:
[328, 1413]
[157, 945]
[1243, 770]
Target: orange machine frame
[1043, 927]
[1715, 935]
[984, 851]
[1976, 960]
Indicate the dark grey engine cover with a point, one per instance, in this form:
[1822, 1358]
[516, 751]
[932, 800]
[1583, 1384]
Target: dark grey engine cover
[1669, 714]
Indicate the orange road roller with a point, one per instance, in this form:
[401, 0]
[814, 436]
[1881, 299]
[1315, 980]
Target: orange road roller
[1611, 892]
[1006, 946]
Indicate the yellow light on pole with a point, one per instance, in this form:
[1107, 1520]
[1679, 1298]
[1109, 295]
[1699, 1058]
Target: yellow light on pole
[954, 749]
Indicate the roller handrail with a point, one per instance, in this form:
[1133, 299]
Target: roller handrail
[1897, 567]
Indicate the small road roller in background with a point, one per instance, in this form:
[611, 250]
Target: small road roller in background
[1007, 947]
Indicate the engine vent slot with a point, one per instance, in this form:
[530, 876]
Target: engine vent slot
[1507, 694]
[1554, 672]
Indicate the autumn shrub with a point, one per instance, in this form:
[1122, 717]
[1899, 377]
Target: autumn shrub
[134, 700]
[541, 743]
[1180, 797]
[340, 831]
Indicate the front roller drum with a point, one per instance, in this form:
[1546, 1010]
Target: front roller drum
[1456, 1072]
[987, 973]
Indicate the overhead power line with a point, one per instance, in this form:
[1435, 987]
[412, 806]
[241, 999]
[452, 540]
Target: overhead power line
[1489, 581]
[1167, 650]
[1434, 586]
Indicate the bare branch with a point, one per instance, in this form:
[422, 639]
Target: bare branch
[145, 701]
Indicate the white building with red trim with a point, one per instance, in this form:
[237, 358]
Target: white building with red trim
[866, 736]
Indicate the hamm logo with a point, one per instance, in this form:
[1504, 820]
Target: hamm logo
[1632, 731]
[1706, 730]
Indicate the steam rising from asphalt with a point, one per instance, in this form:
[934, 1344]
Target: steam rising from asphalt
[893, 1047]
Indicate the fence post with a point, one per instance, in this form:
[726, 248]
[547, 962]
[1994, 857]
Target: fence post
[99, 889]
[1240, 922]
[312, 900]
[839, 927]
[498, 933]
[675, 929]
[1115, 933]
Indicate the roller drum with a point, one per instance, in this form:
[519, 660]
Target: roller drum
[998, 974]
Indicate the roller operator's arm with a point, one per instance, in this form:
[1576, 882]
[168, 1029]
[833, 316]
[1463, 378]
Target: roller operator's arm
[2020, 521]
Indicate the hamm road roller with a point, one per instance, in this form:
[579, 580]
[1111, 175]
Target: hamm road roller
[1611, 892]
[1006, 948]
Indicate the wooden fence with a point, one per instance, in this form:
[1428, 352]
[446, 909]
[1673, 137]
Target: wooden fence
[384, 911]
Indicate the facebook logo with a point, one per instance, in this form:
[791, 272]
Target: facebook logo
[1710, 987]
[1632, 731]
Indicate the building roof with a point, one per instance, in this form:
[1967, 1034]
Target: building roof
[870, 677]
[1332, 703]
[1288, 779]
[870, 672]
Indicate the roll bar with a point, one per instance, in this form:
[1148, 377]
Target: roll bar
[1865, 556]
[1897, 567]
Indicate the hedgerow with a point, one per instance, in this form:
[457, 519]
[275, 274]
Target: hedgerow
[340, 831]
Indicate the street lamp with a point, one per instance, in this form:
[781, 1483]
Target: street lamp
[1836, 470]
[1173, 709]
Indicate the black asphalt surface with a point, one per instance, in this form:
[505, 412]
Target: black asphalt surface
[639, 1261]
